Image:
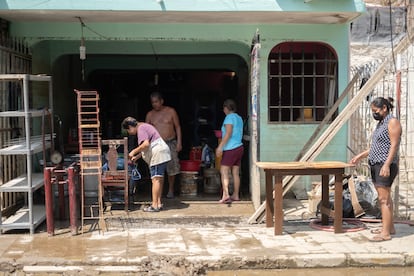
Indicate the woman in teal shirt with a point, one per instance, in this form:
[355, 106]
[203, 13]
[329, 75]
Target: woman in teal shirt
[231, 150]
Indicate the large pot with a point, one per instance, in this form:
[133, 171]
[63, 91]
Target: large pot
[190, 165]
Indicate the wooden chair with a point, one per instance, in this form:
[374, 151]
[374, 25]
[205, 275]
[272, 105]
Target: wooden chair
[116, 179]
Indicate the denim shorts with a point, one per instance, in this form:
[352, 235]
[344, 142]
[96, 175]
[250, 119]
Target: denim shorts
[158, 170]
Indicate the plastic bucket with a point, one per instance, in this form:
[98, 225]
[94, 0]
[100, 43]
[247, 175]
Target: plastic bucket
[190, 165]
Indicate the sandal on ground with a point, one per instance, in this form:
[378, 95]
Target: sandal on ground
[379, 231]
[170, 196]
[225, 201]
[379, 238]
[232, 199]
[151, 209]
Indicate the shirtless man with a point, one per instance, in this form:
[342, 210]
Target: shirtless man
[165, 120]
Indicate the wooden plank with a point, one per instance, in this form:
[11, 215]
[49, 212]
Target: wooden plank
[302, 165]
[328, 116]
[358, 210]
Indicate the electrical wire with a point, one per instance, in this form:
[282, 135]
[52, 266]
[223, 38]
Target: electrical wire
[83, 25]
[95, 32]
[82, 56]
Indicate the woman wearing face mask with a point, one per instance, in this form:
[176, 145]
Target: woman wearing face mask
[383, 160]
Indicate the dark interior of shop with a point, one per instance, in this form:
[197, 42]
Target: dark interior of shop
[196, 95]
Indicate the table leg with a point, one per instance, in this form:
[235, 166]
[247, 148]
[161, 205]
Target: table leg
[269, 199]
[325, 199]
[338, 203]
[278, 205]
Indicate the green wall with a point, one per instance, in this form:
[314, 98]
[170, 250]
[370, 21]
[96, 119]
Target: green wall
[130, 42]
[282, 142]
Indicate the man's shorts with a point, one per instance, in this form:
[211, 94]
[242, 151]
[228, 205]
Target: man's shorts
[158, 170]
[383, 181]
[232, 157]
[173, 166]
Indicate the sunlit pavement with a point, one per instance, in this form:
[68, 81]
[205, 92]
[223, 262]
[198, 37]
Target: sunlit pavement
[193, 237]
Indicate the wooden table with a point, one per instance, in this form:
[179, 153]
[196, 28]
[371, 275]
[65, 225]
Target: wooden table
[274, 174]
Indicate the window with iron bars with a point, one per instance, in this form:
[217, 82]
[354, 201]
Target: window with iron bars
[302, 82]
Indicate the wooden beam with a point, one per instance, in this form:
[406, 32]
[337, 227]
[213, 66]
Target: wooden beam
[328, 116]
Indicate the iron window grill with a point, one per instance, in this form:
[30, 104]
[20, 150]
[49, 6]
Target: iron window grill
[302, 82]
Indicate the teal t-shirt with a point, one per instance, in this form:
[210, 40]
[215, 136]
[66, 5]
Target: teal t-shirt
[235, 140]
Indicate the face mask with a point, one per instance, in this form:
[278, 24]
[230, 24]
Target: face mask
[377, 116]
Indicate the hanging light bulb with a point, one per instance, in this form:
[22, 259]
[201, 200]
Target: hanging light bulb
[82, 50]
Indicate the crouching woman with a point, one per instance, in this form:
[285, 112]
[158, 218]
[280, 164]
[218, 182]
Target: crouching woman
[154, 151]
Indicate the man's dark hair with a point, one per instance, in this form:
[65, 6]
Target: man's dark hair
[129, 121]
[157, 94]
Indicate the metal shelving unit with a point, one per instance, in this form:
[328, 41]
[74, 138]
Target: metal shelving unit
[30, 215]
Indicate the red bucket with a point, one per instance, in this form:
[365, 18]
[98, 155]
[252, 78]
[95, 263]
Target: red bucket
[190, 165]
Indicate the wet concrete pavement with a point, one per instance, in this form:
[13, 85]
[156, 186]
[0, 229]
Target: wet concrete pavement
[193, 237]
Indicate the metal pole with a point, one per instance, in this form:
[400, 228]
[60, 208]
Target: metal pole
[396, 185]
[50, 224]
[61, 195]
[72, 201]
